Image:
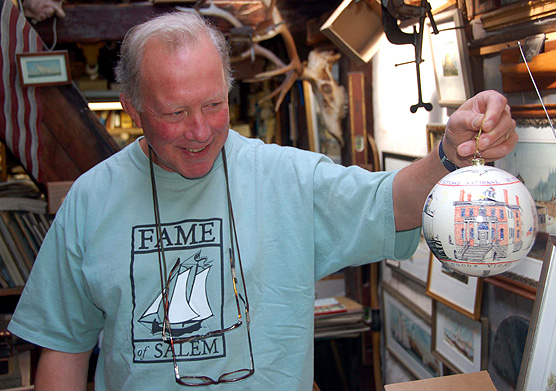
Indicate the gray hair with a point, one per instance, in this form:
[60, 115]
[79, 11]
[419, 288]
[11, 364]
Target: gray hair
[177, 30]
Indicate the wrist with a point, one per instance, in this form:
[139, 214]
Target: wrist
[447, 163]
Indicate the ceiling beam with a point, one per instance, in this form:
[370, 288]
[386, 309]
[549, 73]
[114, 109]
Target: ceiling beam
[98, 22]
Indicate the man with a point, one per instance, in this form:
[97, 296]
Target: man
[197, 250]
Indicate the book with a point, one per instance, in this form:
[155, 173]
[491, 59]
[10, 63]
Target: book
[24, 221]
[339, 316]
[4, 277]
[328, 305]
[342, 330]
[32, 205]
[337, 305]
[28, 236]
[23, 248]
[9, 262]
[12, 247]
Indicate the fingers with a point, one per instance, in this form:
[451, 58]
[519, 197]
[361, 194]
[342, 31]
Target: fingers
[500, 132]
[488, 116]
[58, 10]
[40, 10]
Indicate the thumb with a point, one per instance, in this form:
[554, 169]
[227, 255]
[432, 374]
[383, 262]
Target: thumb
[59, 11]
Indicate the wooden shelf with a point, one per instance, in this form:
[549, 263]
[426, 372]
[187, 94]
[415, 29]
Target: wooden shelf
[11, 291]
[515, 75]
[518, 13]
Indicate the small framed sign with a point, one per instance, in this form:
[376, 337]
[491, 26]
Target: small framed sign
[43, 68]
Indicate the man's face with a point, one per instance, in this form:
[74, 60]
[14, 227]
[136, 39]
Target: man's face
[185, 115]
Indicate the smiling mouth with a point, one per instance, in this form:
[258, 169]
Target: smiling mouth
[195, 150]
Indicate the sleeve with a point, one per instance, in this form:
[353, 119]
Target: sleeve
[354, 219]
[55, 309]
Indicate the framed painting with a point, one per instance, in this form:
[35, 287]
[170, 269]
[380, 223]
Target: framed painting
[538, 367]
[460, 342]
[483, 6]
[319, 138]
[435, 132]
[522, 279]
[417, 267]
[43, 68]
[408, 336]
[451, 59]
[395, 161]
[459, 292]
[532, 161]
[438, 6]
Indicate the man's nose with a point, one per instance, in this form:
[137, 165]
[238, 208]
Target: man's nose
[198, 128]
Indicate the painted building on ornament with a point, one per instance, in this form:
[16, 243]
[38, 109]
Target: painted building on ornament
[486, 228]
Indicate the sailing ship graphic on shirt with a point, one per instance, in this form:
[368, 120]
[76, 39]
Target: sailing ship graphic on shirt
[187, 296]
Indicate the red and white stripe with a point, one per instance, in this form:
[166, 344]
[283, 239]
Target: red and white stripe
[20, 113]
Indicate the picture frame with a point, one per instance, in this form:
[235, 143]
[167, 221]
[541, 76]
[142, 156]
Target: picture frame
[435, 132]
[311, 115]
[459, 292]
[395, 161]
[43, 69]
[408, 336]
[438, 6]
[319, 139]
[522, 279]
[483, 6]
[450, 59]
[460, 342]
[538, 367]
[532, 161]
[356, 29]
[417, 266]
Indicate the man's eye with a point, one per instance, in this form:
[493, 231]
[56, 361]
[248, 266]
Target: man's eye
[175, 114]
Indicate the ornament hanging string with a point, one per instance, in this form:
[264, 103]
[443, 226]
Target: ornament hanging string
[477, 158]
[536, 89]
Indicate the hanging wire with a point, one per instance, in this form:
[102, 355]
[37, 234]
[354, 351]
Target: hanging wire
[536, 89]
[54, 26]
[54, 34]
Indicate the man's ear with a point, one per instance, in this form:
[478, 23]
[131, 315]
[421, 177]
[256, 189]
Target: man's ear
[129, 108]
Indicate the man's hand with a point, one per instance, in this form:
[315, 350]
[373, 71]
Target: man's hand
[488, 111]
[39, 10]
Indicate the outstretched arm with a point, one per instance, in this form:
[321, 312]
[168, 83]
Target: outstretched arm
[62, 371]
[488, 110]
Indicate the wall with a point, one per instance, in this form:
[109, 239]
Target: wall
[396, 129]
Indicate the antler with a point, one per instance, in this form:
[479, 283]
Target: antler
[293, 70]
[330, 96]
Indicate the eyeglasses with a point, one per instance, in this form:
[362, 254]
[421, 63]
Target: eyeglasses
[165, 278]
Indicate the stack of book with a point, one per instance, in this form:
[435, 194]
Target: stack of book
[24, 221]
[339, 316]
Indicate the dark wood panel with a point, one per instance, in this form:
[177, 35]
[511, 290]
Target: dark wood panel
[76, 129]
[58, 165]
[98, 22]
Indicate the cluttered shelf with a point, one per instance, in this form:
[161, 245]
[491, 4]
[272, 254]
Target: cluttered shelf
[339, 317]
[117, 122]
[24, 221]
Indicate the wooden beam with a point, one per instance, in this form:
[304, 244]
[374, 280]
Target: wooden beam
[73, 134]
[98, 22]
[110, 22]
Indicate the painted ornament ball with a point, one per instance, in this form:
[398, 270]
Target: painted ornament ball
[480, 221]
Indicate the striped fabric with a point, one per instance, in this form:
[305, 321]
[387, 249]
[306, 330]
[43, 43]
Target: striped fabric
[20, 113]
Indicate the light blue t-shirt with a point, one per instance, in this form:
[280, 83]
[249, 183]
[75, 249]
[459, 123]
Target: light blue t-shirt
[299, 217]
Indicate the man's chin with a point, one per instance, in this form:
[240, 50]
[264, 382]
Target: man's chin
[195, 173]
